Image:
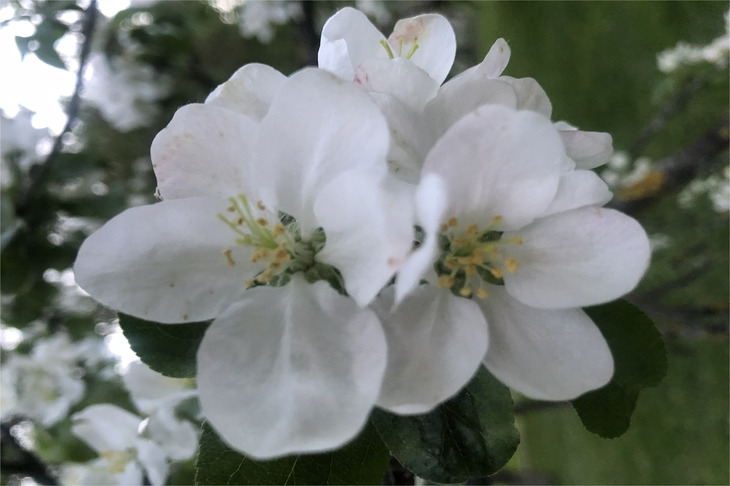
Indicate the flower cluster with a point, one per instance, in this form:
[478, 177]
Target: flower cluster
[363, 234]
[131, 447]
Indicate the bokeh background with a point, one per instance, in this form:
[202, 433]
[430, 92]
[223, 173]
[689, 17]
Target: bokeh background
[653, 74]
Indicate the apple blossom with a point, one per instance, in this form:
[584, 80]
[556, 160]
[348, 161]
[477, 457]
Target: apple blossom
[275, 204]
[501, 236]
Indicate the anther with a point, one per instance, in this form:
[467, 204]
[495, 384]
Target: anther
[471, 229]
[497, 219]
[498, 273]
[482, 294]
[453, 222]
[262, 221]
[465, 291]
[512, 265]
[260, 205]
[227, 253]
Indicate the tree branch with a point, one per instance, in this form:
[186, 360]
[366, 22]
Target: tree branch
[674, 172]
[671, 107]
[72, 110]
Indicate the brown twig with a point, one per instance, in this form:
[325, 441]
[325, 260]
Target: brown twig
[674, 172]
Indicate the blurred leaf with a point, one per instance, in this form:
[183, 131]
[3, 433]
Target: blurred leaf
[471, 435]
[362, 461]
[48, 54]
[170, 349]
[639, 359]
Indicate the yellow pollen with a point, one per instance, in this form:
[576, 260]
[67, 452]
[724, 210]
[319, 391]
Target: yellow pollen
[249, 283]
[515, 240]
[497, 219]
[460, 241]
[482, 294]
[443, 227]
[446, 281]
[260, 205]
[465, 291]
[471, 229]
[281, 254]
[230, 209]
[451, 263]
[470, 270]
[227, 253]
[496, 272]
[279, 229]
[512, 265]
[262, 222]
[453, 222]
[275, 265]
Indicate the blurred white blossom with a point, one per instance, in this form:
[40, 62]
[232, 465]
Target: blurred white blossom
[125, 92]
[683, 54]
[259, 18]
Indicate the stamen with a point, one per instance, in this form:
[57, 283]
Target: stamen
[413, 50]
[260, 205]
[227, 253]
[453, 222]
[498, 273]
[512, 265]
[387, 49]
[482, 294]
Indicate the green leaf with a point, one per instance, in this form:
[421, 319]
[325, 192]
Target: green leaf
[363, 461]
[170, 349]
[471, 435]
[640, 361]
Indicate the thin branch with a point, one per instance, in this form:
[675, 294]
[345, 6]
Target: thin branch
[26, 196]
[670, 108]
[674, 172]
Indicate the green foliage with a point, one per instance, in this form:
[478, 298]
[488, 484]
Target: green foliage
[678, 434]
[470, 435]
[362, 461]
[170, 349]
[639, 360]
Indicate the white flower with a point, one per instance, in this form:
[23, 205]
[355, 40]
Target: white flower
[293, 366]
[124, 455]
[257, 17]
[524, 249]
[418, 111]
[124, 92]
[42, 386]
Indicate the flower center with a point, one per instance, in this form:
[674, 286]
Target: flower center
[276, 245]
[472, 256]
[409, 54]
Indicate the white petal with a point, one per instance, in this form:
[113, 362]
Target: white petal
[165, 262]
[390, 77]
[106, 427]
[430, 204]
[154, 461]
[291, 369]
[496, 59]
[579, 188]
[435, 39]
[249, 91]
[463, 95]
[498, 161]
[411, 137]
[204, 151]
[177, 438]
[368, 222]
[530, 95]
[577, 258]
[544, 354]
[587, 149]
[317, 128]
[150, 390]
[348, 38]
[436, 342]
